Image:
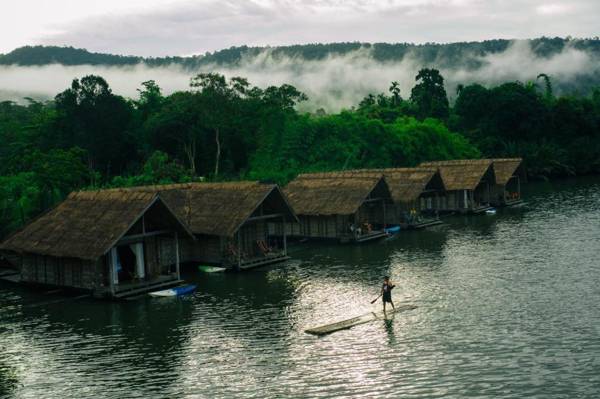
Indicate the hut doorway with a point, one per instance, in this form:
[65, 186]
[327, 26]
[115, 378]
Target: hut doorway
[130, 262]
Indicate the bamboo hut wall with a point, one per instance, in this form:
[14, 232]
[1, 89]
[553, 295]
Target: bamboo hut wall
[190, 250]
[154, 266]
[453, 200]
[204, 249]
[292, 229]
[372, 213]
[330, 226]
[67, 272]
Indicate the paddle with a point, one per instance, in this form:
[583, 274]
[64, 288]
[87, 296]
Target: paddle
[375, 300]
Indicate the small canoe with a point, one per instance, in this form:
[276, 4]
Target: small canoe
[490, 211]
[175, 291]
[211, 269]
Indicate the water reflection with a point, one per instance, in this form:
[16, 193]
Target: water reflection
[507, 307]
[389, 329]
[9, 380]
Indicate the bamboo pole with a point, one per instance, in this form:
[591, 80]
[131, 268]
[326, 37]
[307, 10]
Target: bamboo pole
[284, 237]
[177, 270]
[239, 249]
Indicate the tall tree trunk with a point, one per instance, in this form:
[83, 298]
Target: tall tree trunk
[218, 158]
[190, 152]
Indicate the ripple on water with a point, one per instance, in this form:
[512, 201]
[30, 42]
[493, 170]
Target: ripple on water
[507, 307]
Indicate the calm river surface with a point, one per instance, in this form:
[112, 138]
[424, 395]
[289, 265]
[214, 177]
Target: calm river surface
[508, 307]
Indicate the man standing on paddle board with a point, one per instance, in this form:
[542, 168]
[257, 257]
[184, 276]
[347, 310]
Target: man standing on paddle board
[386, 292]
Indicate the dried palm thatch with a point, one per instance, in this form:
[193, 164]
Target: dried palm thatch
[336, 193]
[219, 208]
[505, 168]
[464, 174]
[407, 184]
[345, 174]
[86, 225]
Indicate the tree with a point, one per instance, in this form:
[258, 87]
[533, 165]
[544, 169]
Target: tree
[91, 117]
[150, 100]
[548, 94]
[158, 169]
[216, 100]
[177, 128]
[429, 95]
[395, 90]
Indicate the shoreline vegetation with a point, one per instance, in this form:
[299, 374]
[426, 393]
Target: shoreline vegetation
[227, 129]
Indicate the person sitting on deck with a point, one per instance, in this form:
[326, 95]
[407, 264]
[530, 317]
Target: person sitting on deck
[413, 216]
[264, 247]
[368, 227]
[386, 292]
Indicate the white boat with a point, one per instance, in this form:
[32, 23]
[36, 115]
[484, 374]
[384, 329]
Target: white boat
[490, 211]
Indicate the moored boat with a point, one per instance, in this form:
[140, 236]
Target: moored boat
[210, 269]
[175, 291]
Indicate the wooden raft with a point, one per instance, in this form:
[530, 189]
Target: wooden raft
[355, 321]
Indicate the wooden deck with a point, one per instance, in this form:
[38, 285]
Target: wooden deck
[513, 203]
[263, 261]
[374, 235]
[478, 210]
[132, 289]
[424, 224]
[10, 275]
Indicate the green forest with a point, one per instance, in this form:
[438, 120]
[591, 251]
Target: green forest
[443, 54]
[228, 129]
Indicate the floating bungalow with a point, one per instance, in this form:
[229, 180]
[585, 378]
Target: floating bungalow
[347, 206]
[469, 185]
[416, 193]
[229, 222]
[111, 243]
[509, 175]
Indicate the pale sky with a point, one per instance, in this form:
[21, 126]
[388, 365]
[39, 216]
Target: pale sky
[183, 27]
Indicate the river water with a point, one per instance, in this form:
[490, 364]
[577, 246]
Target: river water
[508, 307]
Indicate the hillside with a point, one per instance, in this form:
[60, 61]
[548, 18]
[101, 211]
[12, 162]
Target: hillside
[444, 55]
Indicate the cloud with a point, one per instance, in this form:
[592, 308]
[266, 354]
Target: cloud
[333, 83]
[191, 27]
[553, 8]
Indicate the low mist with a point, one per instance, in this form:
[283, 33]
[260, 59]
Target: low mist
[333, 83]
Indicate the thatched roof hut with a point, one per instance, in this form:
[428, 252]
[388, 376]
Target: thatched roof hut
[406, 184]
[219, 209]
[506, 168]
[464, 174]
[335, 193]
[86, 225]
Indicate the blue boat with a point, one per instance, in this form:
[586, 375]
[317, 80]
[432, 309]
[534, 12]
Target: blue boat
[175, 291]
[392, 230]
